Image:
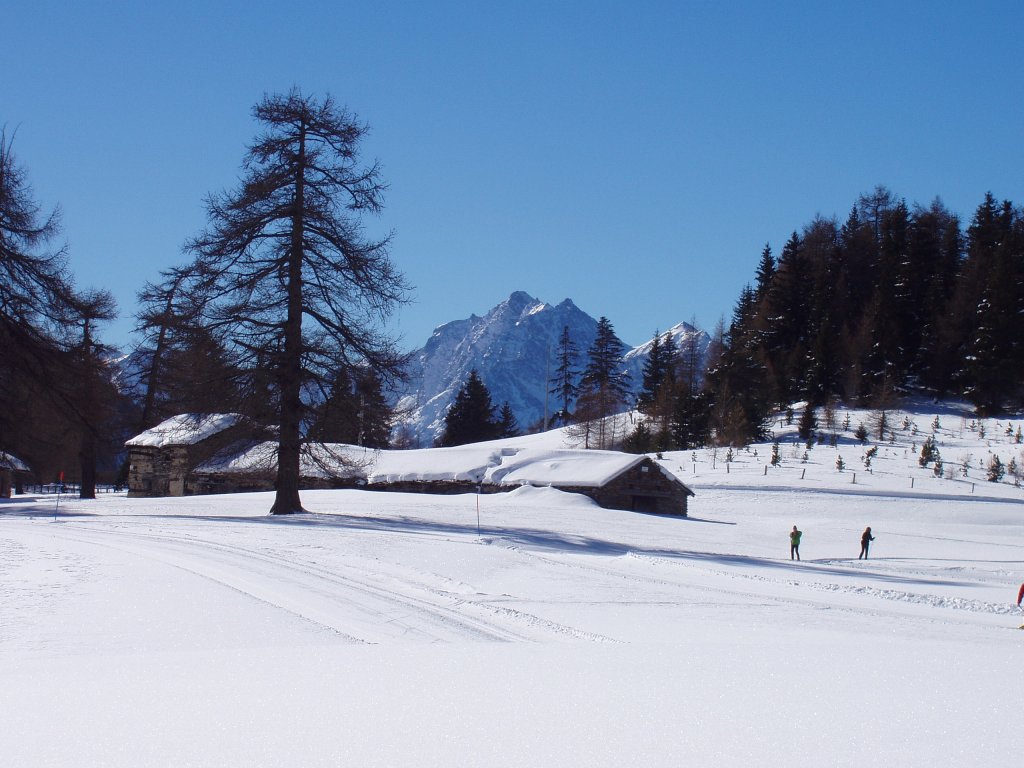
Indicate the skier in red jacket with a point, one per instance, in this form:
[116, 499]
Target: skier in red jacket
[1020, 595]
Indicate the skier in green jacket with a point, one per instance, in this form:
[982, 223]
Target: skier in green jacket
[794, 543]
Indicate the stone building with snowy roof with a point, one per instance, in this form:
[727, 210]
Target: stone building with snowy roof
[614, 480]
[161, 459]
[14, 473]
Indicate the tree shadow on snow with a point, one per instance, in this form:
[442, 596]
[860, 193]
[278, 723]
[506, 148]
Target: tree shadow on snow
[539, 540]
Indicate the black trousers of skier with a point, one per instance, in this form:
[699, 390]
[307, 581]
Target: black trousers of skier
[794, 549]
[864, 550]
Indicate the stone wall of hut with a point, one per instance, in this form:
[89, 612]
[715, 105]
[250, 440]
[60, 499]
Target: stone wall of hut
[165, 471]
[200, 483]
[643, 488]
[154, 471]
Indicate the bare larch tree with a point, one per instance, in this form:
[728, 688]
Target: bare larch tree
[288, 280]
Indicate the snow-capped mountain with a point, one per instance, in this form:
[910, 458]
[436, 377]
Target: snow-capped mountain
[514, 349]
[691, 343]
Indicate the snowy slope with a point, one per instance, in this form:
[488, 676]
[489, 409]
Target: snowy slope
[532, 628]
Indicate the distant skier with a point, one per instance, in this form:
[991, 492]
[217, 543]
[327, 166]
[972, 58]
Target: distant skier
[865, 541]
[794, 543]
[1020, 595]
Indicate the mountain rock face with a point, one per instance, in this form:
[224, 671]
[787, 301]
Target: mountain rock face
[514, 349]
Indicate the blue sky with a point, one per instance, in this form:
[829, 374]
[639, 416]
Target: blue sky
[633, 156]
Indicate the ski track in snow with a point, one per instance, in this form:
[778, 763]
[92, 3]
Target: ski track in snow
[328, 598]
[935, 601]
[777, 597]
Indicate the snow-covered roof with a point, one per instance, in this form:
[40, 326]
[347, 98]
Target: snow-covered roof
[185, 429]
[464, 463]
[482, 463]
[319, 460]
[12, 463]
[584, 468]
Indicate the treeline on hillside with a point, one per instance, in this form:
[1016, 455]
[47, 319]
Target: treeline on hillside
[895, 299]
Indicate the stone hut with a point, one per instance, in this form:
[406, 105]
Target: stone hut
[614, 480]
[642, 487]
[161, 459]
[14, 473]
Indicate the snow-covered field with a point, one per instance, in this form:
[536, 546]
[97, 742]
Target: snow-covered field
[530, 628]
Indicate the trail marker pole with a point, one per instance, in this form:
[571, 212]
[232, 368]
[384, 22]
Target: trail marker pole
[60, 485]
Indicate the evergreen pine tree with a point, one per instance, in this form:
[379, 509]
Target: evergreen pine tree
[929, 452]
[640, 439]
[784, 323]
[736, 380]
[808, 423]
[507, 425]
[355, 411]
[690, 420]
[653, 374]
[765, 272]
[996, 469]
[604, 383]
[471, 416]
[564, 383]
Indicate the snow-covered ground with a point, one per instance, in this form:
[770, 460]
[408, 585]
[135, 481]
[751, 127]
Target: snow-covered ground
[531, 628]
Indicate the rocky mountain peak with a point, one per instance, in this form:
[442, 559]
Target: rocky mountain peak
[513, 348]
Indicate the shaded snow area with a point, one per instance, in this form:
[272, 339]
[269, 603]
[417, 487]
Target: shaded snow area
[531, 628]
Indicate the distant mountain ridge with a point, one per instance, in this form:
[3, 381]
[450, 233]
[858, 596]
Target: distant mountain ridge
[514, 349]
